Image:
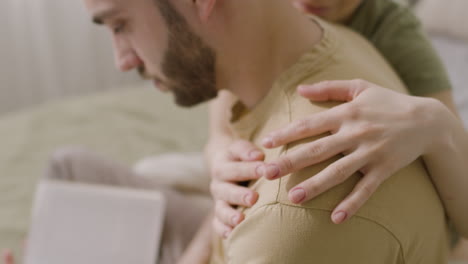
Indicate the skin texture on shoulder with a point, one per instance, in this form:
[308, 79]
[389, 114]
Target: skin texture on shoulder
[398, 34]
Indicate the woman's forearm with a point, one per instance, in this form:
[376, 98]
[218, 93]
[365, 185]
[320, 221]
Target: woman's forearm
[447, 162]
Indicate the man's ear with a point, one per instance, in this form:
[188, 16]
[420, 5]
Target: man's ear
[205, 8]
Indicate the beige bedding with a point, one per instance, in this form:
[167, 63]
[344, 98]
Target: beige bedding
[126, 125]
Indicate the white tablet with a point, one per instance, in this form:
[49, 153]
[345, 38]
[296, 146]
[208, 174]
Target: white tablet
[76, 223]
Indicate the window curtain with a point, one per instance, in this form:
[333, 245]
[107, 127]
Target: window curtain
[50, 49]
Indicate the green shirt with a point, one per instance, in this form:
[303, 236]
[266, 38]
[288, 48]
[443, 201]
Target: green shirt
[396, 32]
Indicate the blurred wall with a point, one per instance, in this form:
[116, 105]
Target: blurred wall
[50, 49]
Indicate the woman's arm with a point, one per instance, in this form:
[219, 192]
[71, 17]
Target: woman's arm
[447, 161]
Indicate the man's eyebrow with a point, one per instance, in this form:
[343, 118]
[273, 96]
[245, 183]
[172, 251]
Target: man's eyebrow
[100, 17]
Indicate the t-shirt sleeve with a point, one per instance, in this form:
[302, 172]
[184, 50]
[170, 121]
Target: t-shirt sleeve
[280, 233]
[402, 41]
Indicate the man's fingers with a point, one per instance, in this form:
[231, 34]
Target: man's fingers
[342, 91]
[334, 174]
[227, 215]
[221, 229]
[243, 150]
[314, 125]
[309, 154]
[233, 194]
[238, 171]
[358, 197]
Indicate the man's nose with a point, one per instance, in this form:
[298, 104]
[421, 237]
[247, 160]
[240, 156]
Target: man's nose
[127, 61]
[124, 56]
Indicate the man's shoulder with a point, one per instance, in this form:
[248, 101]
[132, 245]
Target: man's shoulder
[342, 55]
[280, 233]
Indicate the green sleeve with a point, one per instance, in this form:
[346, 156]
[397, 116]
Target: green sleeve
[396, 32]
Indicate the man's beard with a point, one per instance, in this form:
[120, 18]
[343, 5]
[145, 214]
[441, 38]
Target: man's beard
[188, 64]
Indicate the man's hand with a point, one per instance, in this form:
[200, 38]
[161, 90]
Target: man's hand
[240, 162]
[378, 131]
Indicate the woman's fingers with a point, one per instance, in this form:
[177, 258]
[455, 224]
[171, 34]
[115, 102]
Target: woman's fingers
[243, 150]
[233, 194]
[227, 215]
[308, 154]
[221, 229]
[238, 171]
[358, 197]
[334, 174]
[311, 126]
[339, 90]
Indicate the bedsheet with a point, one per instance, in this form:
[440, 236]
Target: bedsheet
[126, 125]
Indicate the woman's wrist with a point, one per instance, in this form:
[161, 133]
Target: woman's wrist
[441, 125]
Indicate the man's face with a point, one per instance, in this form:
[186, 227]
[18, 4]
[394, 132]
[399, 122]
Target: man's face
[332, 10]
[151, 36]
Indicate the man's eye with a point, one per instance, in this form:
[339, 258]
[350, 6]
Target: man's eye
[118, 28]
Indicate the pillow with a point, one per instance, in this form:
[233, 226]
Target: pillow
[444, 17]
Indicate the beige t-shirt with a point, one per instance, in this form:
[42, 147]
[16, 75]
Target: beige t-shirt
[403, 222]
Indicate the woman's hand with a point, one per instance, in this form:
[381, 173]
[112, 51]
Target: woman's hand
[239, 162]
[379, 131]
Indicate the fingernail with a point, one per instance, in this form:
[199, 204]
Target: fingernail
[267, 142]
[302, 88]
[235, 219]
[226, 233]
[260, 170]
[298, 195]
[339, 217]
[255, 154]
[271, 171]
[248, 199]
